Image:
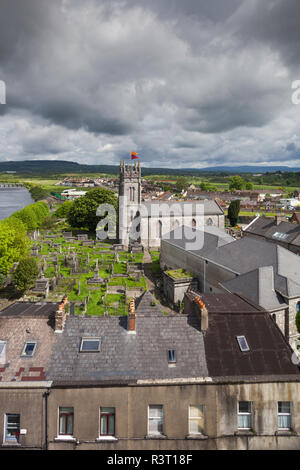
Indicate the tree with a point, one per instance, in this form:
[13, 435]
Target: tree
[236, 182]
[233, 212]
[14, 243]
[249, 185]
[63, 210]
[2, 279]
[49, 222]
[33, 215]
[181, 184]
[25, 273]
[38, 193]
[83, 213]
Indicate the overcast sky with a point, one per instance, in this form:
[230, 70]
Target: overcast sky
[185, 83]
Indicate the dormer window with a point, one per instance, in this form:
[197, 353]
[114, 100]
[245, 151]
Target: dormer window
[171, 356]
[243, 343]
[2, 348]
[29, 349]
[90, 345]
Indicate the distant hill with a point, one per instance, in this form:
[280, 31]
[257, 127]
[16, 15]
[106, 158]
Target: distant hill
[250, 169]
[58, 167]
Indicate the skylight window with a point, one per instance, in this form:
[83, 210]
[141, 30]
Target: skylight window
[90, 345]
[29, 349]
[2, 348]
[243, 343]
[280, 235]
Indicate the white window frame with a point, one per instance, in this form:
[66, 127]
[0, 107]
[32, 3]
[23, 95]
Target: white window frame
[90, 339]
[64, 436]
[10, 440]
[33, 351]
[243, 337]
[172, 352]
[108, 437]
[196, 419]
[243, 413]
[157, 433]
[284, 414]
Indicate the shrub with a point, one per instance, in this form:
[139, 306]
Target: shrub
[25, 273]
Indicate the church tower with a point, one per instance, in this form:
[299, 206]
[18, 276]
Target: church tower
[130, 198]
[130, 182]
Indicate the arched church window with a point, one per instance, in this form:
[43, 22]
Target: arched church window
[298, 307]
[159, 228]
[194, 223]
[209, 221]
[137, 215]
[132, 193]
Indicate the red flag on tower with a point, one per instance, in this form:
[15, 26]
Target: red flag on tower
[134, 155]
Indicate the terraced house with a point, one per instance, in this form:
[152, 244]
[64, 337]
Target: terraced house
[219, 376]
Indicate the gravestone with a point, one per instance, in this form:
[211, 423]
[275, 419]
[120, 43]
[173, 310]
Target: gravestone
[83, 237]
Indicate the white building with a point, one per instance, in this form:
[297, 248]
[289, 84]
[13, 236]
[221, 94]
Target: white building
[147, 221]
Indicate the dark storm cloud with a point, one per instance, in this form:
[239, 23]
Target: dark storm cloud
[273, 22]
[87, 79]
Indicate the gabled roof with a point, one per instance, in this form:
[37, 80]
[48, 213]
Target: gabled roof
[245, 254]
[19, 323]
[258, 286]
[206, 207]
[269, 353]
[284, 232]
[126, 357]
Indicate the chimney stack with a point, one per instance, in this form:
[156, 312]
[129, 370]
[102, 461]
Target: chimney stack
[279, 219]
[60, 316]
[203, 313]
[131, 317]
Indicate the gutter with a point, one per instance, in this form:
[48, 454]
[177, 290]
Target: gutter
[26, 384]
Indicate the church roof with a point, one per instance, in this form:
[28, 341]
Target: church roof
[200, 242]
[207, 207]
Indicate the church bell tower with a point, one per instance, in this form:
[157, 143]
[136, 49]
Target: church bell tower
[130, 198]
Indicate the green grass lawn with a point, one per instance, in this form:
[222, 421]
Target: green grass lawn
[179, 273]
[69, 284]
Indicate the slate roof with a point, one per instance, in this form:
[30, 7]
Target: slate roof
[246, 256]
[42, 309]
[266, 227]
[203, 241]
[225, 302]
[21, 322]
[129, 357]
[258, 286]
[206, 207]
[269, 353]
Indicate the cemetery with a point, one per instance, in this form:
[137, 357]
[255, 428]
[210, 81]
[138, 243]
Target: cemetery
[99, 278]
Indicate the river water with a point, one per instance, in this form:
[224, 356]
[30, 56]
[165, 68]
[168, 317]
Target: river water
[12, 200]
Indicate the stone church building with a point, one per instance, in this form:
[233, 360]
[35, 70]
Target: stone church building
[146, 222]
